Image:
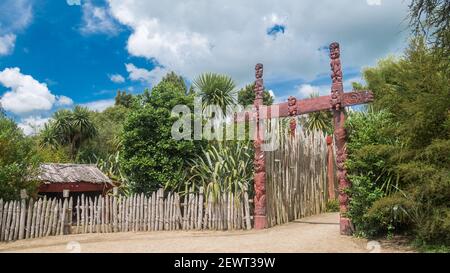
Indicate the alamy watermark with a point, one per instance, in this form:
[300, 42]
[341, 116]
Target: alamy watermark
[211, 122]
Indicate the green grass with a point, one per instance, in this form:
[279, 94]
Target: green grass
[332, 205]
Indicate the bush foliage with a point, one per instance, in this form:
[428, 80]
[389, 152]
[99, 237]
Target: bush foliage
[399, 151]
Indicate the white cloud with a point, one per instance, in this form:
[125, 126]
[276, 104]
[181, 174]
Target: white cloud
[305, 90]
[99, 105]
[231, 37]
[73, 2]
[141, 74]
[26, 94]
[7, 43]
[15, 15]
[272, 94]
[98, 20]
[63, 101]
[117, 78]
[373, 2]
[348, 83]
[32, 125]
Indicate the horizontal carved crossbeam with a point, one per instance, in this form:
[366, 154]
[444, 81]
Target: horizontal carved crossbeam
[306, 106]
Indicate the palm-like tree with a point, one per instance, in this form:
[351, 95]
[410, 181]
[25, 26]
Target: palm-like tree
[216, 89]
[318, 121]
[70, 128]
[48, 136]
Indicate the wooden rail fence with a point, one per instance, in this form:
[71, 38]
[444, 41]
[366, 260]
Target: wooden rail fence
[104, 214]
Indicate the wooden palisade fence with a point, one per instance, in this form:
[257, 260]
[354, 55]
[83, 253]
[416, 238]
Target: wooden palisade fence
[104, 214]
[296, 177]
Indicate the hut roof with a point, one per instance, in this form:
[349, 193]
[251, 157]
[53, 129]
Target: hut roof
[71, 173]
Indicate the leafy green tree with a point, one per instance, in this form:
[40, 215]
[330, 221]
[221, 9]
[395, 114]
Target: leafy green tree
[17, 161]
[71, 128]
[123, 99]
[106, 142]
[431, 18]
[175, 79]
[413, 89]
[150, 157]
[371, 145]
[408, 151]
[246, 96]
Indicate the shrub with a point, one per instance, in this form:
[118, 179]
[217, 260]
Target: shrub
[363, 194]
[222, 167]
[150, 157]
[17, 160]
[389, 214]
[332, 205]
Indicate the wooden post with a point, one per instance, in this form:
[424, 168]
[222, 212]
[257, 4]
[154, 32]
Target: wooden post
[330, 168]
[200, 209]
[65, 213]
[184, 218]
[153, 211]
[107, 214]
[23, 197]
[45, 219]
[38, 218]
[259, 162]
[97, 202]
[50, 216]
[292, 111]
[161, 209]
[8, 210]
[340, 135]
[169, 211]
[15, 221]
[101, 214]
[54, 217]
[115, 192]
[247, 210]
[78, 214]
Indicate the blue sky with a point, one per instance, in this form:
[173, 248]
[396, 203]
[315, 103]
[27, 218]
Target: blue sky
[59, 53]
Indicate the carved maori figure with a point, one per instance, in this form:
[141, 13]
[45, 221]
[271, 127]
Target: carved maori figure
[260, 197]
[292, 126]
[259, 160]
[343, 201]
[335, 63]
[341, 156]
[259, 71]
[292, 111]
[292, 106]
[340, 135]
[336, 100]
[259, 84]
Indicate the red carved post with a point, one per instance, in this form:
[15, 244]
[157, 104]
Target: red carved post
[259, 161]
[330, 169]
[292, 110]
[337, 91]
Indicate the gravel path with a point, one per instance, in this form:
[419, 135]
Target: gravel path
[318, 233]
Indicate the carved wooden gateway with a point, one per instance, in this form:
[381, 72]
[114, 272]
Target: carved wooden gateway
[335, 102]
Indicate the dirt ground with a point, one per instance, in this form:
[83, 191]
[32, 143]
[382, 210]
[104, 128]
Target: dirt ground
[318, 233]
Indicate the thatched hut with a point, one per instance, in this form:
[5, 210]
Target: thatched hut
[77, 178]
